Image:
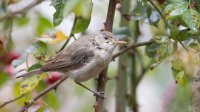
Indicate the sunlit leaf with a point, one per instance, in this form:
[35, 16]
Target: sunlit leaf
[43, 25]
[178, 72]
[58, 15]
[192, 19]
[81, 8]
[80, 25]
[175, 9]
[16, 93]
[54, 38]
[29, 84]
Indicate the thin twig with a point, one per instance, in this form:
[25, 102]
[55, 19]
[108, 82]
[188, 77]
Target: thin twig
[131, 46]
[10, 101]
[21, 11]
[42, 93]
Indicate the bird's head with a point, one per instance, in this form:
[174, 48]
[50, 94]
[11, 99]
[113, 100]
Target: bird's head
[107, 41]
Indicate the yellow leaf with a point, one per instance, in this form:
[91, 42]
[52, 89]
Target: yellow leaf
[54, 38]
[30, 83]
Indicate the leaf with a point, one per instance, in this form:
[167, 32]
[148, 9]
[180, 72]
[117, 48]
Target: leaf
[122, 32]
[29, 84]
[51, 99]
[178, 72]
[34, 66]
[175, 9]
[16, 93]
[41, 47]
[192, 19]
[159, 50]
[139, 11]
[22, 21]
[183, 35]
[3, 78]
[152, 18]
[58, 15]
[43, 24]
[80, 25]
[81, 8]
[53, 38]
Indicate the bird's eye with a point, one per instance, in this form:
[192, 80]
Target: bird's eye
[106, 37]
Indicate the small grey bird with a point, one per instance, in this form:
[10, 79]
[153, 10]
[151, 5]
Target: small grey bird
[84, 58]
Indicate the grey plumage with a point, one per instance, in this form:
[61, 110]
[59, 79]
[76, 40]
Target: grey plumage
[83, 59]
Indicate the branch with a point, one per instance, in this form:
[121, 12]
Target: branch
[102, 79]
[10, 101]
[131, 46]
[42, 93]
[21, 11]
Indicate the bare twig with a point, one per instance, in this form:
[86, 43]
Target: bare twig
[10, 101]
[131, 46]
[102, 79]
[21, 11]
[42, 93]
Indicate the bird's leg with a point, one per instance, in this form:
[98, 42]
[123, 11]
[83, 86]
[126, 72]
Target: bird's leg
[99, 94]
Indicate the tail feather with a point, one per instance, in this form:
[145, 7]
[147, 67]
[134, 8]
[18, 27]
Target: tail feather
[34, 72]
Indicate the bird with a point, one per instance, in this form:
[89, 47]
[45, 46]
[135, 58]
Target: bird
[84, 59]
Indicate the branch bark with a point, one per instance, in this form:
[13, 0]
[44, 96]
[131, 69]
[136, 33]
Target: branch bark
[102, 79]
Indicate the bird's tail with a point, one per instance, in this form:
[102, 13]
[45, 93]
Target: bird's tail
[34, 72]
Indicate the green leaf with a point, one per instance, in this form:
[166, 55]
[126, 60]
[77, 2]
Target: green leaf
[183, 35]
[175, 9]
[41, 47]
[34, 66]
[51, 99]
[16, 93]
[43, 24]
[58, 15]
[192, 19]
[122, 32]
[178, 72]
[22, 21]
[3, 78]
[139, 12]
[159, 50]
[29, 84]
[80, 25]
[81, 8]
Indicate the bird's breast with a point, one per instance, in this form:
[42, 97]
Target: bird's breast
[91, 69]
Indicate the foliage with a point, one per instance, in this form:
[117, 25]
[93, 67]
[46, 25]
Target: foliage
[178, 42]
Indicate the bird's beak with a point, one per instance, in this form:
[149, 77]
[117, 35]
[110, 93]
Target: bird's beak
[118, 42]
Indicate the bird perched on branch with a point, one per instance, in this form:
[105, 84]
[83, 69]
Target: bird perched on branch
[84, 59]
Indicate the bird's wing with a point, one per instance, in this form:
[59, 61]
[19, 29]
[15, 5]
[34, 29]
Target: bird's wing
[74, 60]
